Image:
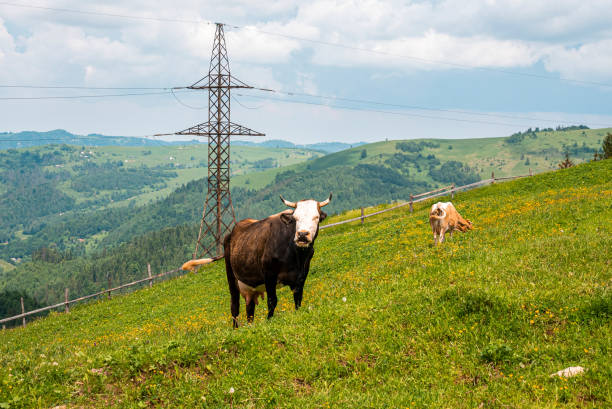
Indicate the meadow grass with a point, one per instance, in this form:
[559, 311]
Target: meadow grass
[388, 319]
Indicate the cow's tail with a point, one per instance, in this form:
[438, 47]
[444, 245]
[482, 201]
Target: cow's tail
[438, 213]
[193, 264]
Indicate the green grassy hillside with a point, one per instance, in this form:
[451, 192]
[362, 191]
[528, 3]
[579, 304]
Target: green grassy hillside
[539, 151]
[388, 320]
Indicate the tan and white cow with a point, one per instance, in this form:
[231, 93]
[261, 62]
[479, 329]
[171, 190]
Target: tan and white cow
[443, 218]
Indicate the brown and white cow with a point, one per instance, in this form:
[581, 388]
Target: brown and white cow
[261, 255]
[443, 218]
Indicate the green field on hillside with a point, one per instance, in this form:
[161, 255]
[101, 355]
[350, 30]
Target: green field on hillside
[189, 162]
[539, 151]
[388, 320]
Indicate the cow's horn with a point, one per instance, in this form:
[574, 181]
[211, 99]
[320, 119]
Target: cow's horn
[288, 203]
[326, 201]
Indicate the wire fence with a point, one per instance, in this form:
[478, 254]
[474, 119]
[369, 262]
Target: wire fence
[443, 191]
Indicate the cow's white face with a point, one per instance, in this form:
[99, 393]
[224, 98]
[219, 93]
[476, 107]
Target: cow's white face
[306, 215]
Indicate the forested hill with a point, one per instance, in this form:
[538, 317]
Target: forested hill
[78, 248]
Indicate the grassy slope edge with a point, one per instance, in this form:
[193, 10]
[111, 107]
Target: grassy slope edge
[388, 320]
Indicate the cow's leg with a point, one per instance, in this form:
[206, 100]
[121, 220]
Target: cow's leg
[436, 234]
[272, 300]
[233, 286]
[297, 296]
[234, 297]
[250, 309]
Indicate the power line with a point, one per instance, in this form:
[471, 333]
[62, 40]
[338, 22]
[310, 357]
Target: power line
[182, 103]
[420, 59]
[380, 111]
[174, 90]
[242, 105]
[81, 87]
[320, 42]
[419, 107]
[86, 96]
[95, 13]
[408, 113]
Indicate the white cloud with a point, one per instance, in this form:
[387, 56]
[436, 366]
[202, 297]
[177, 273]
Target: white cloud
[570, 37]
[479, 33]
[423, 52]
[7, 43]
[591, 61]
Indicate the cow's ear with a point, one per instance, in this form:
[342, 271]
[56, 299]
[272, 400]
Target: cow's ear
[322, 216]
[287, 218]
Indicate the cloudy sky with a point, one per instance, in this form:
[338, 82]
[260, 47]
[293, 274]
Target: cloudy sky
[380, 69]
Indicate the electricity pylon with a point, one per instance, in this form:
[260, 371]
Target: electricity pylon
[218, 215]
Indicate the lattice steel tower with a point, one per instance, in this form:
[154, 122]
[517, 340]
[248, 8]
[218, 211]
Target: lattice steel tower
[218, 214]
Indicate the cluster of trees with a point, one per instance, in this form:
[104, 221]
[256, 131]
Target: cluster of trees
[607, 146]
[414, 146]
[569, 128]
[402, 161]
[31, 193]
[454, 172]
[518, 137]
[606, 149]
[14, 159]
[578, 150]
[266, 163]
[45, 281]
[10, 305]
[92, 177]
[63, 232]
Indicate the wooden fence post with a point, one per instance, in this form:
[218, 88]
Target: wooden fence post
[453, 191]
[361, 214]
[66, 306]
[492, 177]
[411, 203]
[23, 312]
[149, 271]
[530, 174]
[3, 326]
[109, 285]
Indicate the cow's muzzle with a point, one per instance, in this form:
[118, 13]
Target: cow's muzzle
[302, 238]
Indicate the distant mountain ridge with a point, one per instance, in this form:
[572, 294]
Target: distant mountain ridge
[328, 147]
[25, 139]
